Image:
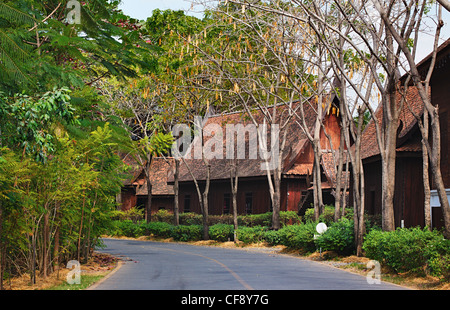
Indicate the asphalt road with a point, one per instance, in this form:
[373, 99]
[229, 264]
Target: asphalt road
[173, 266]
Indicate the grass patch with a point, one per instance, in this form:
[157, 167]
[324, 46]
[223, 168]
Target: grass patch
[85, 282]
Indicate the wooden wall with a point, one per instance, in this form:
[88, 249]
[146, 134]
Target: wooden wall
[256, 188]
[408, 196]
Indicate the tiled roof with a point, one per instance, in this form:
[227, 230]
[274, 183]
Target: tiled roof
[220, 168]
[330, 167]
[134, 168]
[159, 171]
[413, 105]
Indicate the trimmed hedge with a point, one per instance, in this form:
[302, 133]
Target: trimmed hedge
[339, 237]
[160, 229]
[187, 232]
[409, 249]
[253, 234]
[263, 219]
[221, 232]
[299, 237]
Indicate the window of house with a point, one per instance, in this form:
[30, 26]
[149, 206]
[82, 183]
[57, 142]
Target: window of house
[187, 203]
[248, 203]
[226, 203]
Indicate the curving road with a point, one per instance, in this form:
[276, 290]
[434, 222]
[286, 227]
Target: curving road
[173, 266]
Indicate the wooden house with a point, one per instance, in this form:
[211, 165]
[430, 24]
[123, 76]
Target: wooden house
[134, 190]
[253, 187]
[409, 192]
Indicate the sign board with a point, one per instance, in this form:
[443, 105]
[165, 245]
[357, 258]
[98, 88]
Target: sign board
[434, 197]
[434, 201]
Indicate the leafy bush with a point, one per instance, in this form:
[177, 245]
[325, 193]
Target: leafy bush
[326, 217]
[159, 229]
[272, 237]
[253, 220]
[187, 232]
[299, 236]
[164, 216]
[133, 214]
[289, 218]
[440, 266]
[190, 218]
[406, 249]
[339, 237]
[221, 232]
[128, 229]
[250, 234]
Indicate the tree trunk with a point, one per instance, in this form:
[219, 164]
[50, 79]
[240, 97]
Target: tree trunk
[234, 186]
[81, 227]
[388, 150]
[46, 241]
[317, 184]
[175, 191]
[338, 196]
[388, 180]
[276, 225]
[205, 203]
[425, 172]
[148, 205]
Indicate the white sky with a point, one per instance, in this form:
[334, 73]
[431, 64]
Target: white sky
[141, 9]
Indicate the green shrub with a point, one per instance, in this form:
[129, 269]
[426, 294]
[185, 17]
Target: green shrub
[299, 236]
[327, 215]
[158, 229]
[190, 218]
[128, 229]
[221, 232]
[163, 216]
[220, 219]
[406, 249]
[289, 218]
[134, 214]
[187, 232]
[440, 266]
[272, 237]
[252, 220]
[250, 234]
[339, 237]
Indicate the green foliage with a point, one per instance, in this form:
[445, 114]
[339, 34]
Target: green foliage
[187, 232]
[39, 55]
[159, 229]
[407, 249]
[221, 232]
[251, 220]
[300, 236]
[439, 266]
[327, 215]
[272, 237]
[128, 229]
[133, 214]
[252, 234]
[339, 237]
[33, 123]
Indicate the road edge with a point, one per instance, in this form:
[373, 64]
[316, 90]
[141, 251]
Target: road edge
[96, 284]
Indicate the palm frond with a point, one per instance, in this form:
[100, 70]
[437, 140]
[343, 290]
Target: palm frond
[11, 55]
[12, 14]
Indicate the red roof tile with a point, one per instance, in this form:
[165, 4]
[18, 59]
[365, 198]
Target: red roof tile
[413, 105]
[159, 171]
[220, 168]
